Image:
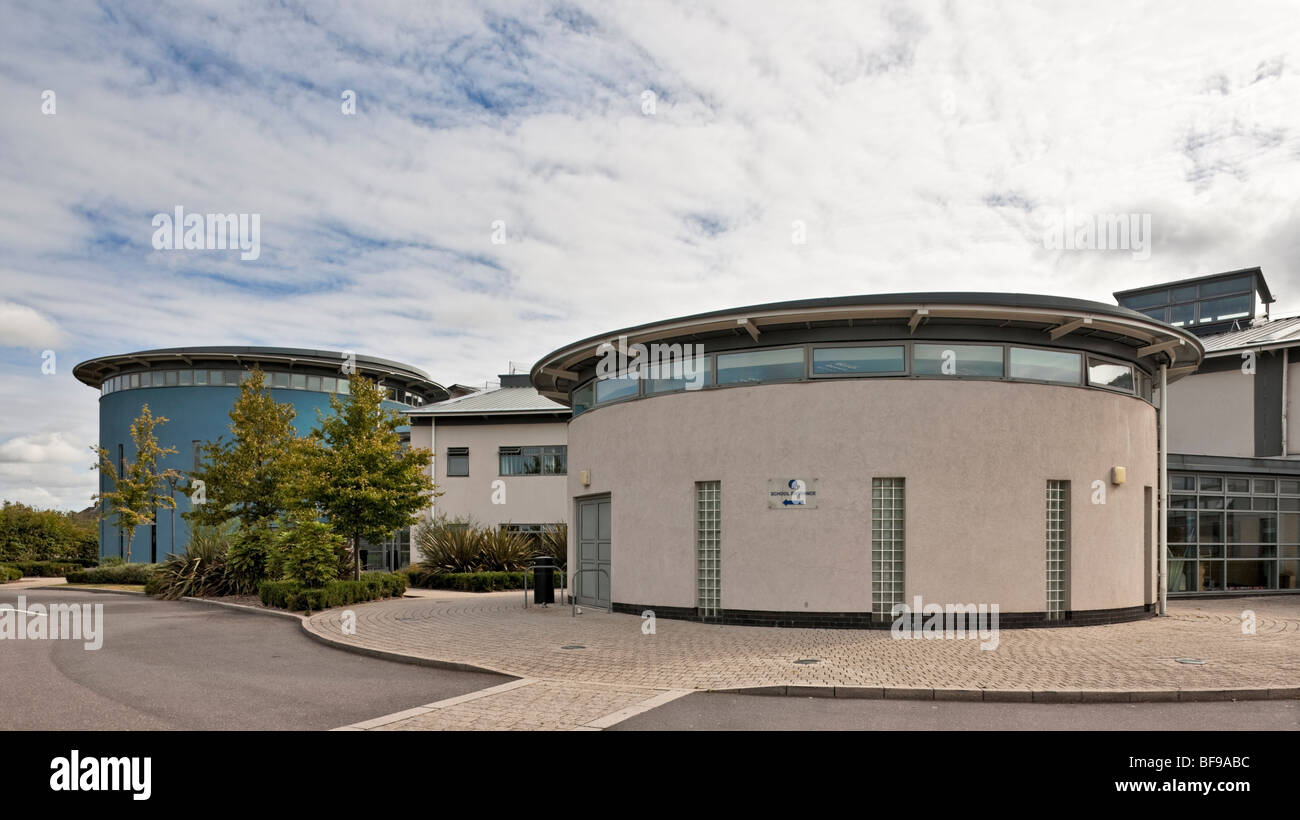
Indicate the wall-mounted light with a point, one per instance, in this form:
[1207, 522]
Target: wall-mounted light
[584, 478]
[1118, 475]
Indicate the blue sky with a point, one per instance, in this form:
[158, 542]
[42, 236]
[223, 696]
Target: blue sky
[921, 146]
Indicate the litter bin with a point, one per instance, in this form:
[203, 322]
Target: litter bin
[543, 580]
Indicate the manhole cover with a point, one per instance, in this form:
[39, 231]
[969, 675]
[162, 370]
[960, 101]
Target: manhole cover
[1196, 661]
[574, 646]
[807, 661]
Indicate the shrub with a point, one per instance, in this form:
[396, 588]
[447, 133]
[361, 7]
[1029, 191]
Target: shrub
[29, 534]
[8, 574]
[311, 554]
[112, 561]
[471, 581]
[554, 542]
[253, 556]
[43, 569]
[114, 574]
[505, 551]
[449, 545]
[295, 597]
[201, 571]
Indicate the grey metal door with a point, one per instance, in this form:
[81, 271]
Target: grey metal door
[594, 541]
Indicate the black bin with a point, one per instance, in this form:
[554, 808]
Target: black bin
[543, 580]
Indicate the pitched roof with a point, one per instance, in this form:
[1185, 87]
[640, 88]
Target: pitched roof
[496, 401]
[1275, 333]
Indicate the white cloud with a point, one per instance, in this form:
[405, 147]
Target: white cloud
[922, 145]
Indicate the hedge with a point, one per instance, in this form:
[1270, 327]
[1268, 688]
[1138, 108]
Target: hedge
[113, 574]
[8, 574]
[293, 596]
[43, 569]
[471, 581]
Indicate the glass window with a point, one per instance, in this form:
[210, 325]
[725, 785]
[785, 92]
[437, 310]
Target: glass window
[617, 388]
[1238, 485]
[1145, 300]
[831, 361]
[1288, 486]
[1290, 529]
[1182, 527]
[1291, 504]
[755, 366]
[1187, 294]
[232, 376]
[1227, 307]
[169, 378]
[215, 377]
[1211, 576]
[1252, 528]
[313, 383]
[344, 387]
[200, 377]
[1264, 503]
[1210, 526]
[1157, 313]
[457, 461]
[984, 361]
[279, 379]
[1182, 315]
[135, 380]
[299, 381]
[1251, 575]
[1182, 482]
[700, 373]
[186, 377]
[327, 384]
[157, 378]
[1265, 485]
[582, 398]
[547, 460]
[1045, 365]
[1182, 502]
[1211, 484]
[1106, 374]
[1237, 285]
[1287, 573]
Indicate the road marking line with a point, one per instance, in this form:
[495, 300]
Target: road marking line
[436, 705]
[635, 709]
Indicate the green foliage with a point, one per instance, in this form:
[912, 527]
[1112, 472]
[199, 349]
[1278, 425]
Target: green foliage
[200, 572]
[115, 574]
[505, 551]
[460, 545]
[8, 574]
[254, 555]
[471, 581]
[293, 596]
[310, 554]
[44, 569]
[252, 478]
[554, 542]
[29, 534]
[363, 480]
[111, 561]
[138, 494]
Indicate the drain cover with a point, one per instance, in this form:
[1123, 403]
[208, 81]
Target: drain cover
[574, 646]
[1196, 661]
[807, 661]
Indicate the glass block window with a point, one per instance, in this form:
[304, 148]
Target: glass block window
[887, 518]
[708, 547]
[1058, 547]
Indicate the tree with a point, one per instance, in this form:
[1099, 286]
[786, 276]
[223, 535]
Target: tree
[362, 479]
[137, 495]
[254, 476]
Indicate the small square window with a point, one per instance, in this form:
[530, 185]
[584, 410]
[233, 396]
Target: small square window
[169, 378]
[299, 381]
[186, 377]
[313, 383]
[457, 461]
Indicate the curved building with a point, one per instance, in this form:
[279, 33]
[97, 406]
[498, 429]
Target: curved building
[195, 388]
[818, 462]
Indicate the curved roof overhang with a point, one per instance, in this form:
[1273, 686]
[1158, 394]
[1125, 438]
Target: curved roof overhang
[93, 372]
[1056, 317]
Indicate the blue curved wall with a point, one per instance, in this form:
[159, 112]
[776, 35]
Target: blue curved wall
[195, 413]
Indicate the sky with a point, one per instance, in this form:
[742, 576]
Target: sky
[516, 176]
